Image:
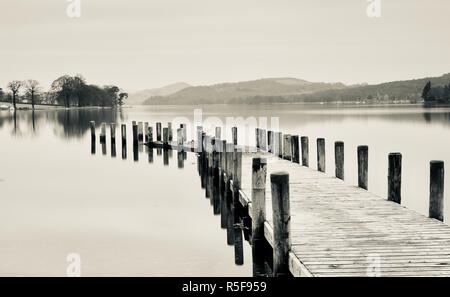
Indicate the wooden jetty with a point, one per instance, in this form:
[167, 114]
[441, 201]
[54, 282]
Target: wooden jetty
[303, 222]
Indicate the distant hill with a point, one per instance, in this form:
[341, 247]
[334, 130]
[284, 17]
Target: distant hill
[243, 92]
[138, 98]
[291, 90]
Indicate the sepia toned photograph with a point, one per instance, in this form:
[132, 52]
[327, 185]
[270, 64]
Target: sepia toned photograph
[255, 139]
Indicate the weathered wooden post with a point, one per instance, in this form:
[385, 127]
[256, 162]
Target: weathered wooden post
[183, 127]
[339, 159]
[259, 173]
[363, 166]
[295, 149]
[263, 140]
[436, 209]
[169, 128]
[305, 150]
[279, 138]
[113, 132]
[222, 184]
[158, 131]
[270, 141]
[321, 154]
[237, 175]
[123, 130]
[103, 133]
[199, 138]
[165, 137]
[281, 223]
[234, 135]
[229, 193]
[257, 138]
[215, 175]
[146, 131]
[395, 177]
[135, 135]
[287, 154]
[150, 134]
[140, 131]
[180, 140]
[218, 132]
[92, 124]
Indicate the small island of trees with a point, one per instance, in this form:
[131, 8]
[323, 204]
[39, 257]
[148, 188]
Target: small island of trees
[68, 91]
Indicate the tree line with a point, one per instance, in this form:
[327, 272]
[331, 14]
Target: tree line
[436, 94]
[68, 91]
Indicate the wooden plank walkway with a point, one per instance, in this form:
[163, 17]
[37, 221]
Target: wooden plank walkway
[338, 229]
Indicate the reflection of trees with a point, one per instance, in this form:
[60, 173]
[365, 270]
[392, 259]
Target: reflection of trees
[68, 123]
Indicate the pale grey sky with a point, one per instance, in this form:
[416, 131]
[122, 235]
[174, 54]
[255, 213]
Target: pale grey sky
[140, 44]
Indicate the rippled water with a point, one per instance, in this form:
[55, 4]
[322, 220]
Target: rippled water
[146, 218]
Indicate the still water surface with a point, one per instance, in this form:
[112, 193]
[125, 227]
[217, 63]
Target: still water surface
[140, 218]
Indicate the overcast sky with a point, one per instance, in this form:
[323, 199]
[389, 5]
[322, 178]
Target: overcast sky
[140, 44]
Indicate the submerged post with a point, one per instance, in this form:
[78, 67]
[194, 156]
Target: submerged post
[257, 138]
[281, 223]
[363, 165]
[263, 140]
[180, 139]
[103, 133]
[305, 151]
[279, 138]
[150, 134]
[395, 177]
[199, 138]
[295, 149]
[135, 134]
[92, 124]
[259, 173]
[169, 128]
[113, 132]
[140, 132]
[158, 131]
[146, 131]
[436, 209]
[339, 159]
[166, 136]
[123, 130]
[218, 132]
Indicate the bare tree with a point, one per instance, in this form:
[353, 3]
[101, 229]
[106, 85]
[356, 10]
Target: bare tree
[32, 87]
[15, 86]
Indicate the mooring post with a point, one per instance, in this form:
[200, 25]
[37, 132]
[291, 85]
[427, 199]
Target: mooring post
[295, 149]
[259, 173]
[158, 131]
[339, 159]
[281, 223]
[257, 138]
[165, 136]
[363, 166]
[199, 139]
[135, 135]
[218, 132]
[234, 135]
[180, 139]
[150, 134]
[92, 124]
[183, 127]
[123, 130]
[229, 193]
[237, 175]
[395, 177]
[321, 154]
[169, 128]
[146, 131]
[270, 141]
[287, 154]
[305, 150]
[103, 133]
[140, 131]
[436, 209]
[279, 138]
[216, 175]
[113, 132]
[263, 140]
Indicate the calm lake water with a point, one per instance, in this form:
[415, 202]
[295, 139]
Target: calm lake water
[140, 218]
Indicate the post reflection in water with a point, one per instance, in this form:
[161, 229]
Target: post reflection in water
[166, 157]
[180, 158]
[136, 152]
[150, 154]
